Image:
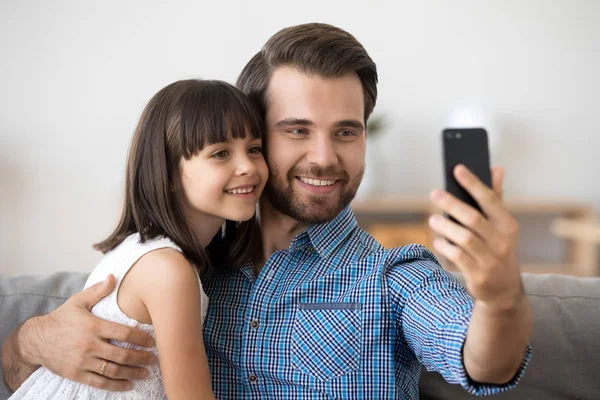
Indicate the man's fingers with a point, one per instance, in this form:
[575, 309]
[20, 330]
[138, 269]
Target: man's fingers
[113, 331]
[487, 198]
[498, 180]
[122, 356]
[101, 382]
[460, 236]
[456, 255]
[463, 213]
[499, 243]
[116, 371]
[90, 296]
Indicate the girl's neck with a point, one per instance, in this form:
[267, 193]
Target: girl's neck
[204, 226]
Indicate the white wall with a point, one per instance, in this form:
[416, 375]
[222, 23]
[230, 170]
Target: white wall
[74, 76]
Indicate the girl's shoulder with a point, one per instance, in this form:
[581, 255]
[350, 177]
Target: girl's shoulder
[130, 252]
[157, 259]
[134, 245]
[158, 274]
[163, 269]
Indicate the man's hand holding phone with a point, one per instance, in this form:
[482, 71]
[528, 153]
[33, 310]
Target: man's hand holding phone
[481, 239]
[484, 247]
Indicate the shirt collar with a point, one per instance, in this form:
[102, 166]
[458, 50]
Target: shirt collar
[325, 237]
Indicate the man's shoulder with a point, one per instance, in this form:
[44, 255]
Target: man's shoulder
[412, 263]
[395, 256]
[411, 253]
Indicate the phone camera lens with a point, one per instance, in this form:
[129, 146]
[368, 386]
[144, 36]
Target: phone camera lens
[448, 135]
[458, 135]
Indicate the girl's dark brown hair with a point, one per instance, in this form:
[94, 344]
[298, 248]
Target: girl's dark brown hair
[178, 122]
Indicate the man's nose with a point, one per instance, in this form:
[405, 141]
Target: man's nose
[322, 152]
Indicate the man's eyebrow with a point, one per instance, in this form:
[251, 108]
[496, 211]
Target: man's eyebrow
[346, 123]
[289, 122]
[349, 123]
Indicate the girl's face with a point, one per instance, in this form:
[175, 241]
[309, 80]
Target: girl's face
[224, 180]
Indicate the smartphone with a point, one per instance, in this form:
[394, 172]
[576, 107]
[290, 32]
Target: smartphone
[468, 147]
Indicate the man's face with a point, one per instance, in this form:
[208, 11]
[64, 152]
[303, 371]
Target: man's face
[315, 144]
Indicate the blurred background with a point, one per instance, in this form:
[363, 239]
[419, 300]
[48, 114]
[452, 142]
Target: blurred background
[75, 76]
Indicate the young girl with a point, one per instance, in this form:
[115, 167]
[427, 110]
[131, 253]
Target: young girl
[195, 162]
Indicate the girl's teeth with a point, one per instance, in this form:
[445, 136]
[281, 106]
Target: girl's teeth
[242, 191]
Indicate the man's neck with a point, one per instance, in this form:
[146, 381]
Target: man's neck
[277, 232]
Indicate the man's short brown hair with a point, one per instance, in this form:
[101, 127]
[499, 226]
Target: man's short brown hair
[315, 49]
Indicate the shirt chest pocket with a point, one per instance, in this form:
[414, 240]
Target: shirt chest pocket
[327, 339]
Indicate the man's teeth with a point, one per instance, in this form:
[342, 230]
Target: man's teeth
[242, 190]
[317, 182]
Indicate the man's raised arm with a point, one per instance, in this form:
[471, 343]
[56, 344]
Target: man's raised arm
[484, 248]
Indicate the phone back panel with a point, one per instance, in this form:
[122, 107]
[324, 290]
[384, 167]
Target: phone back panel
[470, 148]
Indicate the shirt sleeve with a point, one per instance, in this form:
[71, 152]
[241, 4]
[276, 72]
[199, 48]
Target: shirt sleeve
[433, 311]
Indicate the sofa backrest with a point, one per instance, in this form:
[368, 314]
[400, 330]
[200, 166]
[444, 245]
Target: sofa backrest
[24, 296]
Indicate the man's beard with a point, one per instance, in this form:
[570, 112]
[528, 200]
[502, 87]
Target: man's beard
[317, 209]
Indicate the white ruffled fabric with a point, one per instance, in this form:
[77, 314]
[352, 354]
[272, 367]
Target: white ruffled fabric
[43, 384]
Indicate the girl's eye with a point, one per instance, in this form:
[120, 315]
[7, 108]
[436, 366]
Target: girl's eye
[255, 150]
[220, 155]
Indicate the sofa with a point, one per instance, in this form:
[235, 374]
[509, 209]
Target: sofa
[566, 338]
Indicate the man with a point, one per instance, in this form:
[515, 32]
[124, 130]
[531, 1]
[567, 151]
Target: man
[322, 310]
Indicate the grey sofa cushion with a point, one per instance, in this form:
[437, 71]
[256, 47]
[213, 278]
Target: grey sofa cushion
[24, 296]
[566, 344]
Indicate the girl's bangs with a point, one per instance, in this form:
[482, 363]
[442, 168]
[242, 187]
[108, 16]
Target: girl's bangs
[216, 112]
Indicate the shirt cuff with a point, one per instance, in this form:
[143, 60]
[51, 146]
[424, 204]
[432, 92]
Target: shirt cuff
[455, 362]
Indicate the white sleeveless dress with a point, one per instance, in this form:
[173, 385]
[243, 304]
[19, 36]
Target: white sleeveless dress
[43, 384]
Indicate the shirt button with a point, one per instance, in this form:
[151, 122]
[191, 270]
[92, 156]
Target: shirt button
[254, 324]
[311, 249]
[252, 378]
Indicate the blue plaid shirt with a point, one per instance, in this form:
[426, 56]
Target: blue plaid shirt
[337, 316]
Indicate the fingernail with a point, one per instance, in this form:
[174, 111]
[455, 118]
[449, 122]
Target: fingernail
[144, 374]
[434, 219]
[461, 170]
[106, 280]
[150, 360]
[128, 386]
[437, 194]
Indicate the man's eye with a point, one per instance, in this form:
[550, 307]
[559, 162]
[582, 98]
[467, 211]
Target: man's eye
[347, 133]
[220, 155]
[299, 131]
[255, 150]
